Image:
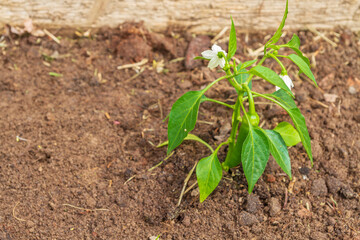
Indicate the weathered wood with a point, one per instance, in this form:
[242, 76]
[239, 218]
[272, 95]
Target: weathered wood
[194, 15]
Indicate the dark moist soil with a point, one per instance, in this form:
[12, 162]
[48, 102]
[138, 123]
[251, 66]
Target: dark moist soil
[71, 144]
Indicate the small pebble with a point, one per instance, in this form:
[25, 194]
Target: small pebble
[331, 98]
[170, 178]
[186, 221]
[52, 205]
[319, 187]
[195, 192]
[352, 90]
[110, 191]
[334, 185]
[253, 203]
[304, 170]
[184, 84]
[270, 178]
[347, 192]
[275, 206]
[247, 219]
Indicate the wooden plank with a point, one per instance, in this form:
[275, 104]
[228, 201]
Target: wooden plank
[195, 15]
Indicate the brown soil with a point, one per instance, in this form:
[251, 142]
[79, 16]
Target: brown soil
[82, 135]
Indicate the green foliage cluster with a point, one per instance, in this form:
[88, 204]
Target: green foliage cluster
[249, 145]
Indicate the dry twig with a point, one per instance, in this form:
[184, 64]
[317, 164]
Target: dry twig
[13, 212]
[132, 65]
[185, 183]
[86, 209]
[136, 75]
[52, 36]
[191, 187]
[219, 35]
[320, 103]
[312, 29]
[150, 169]
[286, 198]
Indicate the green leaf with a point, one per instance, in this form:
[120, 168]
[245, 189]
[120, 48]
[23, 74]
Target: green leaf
[243, 76]
[278, 33]
[270, 76]
[300, 124]
[304, 67]
[203, 99]
[182, 118]
[279, 151]
[208, 174]
[284, 98]
[254, 156]
[298, 119]
[300, 54]
[288, 133]
[247, 64]
[234, 158]
[294, 42]
[232, 41]
[275, 47]
[189, 137]
[54, 74]
[199, 57]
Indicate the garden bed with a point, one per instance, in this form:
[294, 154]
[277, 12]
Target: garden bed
[76, 144]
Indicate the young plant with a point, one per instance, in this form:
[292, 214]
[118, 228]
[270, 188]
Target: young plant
[249, 145]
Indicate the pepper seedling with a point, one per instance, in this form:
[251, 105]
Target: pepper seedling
[249, 144]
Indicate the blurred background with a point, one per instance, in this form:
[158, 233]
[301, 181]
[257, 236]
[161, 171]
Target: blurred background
[196, 16]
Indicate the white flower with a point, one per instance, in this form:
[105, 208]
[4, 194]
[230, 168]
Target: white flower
[287, 81]
[212, 54]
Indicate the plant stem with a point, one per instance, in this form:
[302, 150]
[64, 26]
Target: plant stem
[219, 102]
[259, 64]
[234, 127]
[269, 98]
[221, 144]
[246, 98]
[279, 62]
[251, 100]
[219, 79]
[244, 110]
[235, 120]
[232, 81]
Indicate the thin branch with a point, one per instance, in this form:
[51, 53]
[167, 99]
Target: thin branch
[86, 209]
[185, 183]
[13, 212]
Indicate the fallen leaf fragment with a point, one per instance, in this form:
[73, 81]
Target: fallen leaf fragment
[331, 98]
[54, 74]
[291, 185]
